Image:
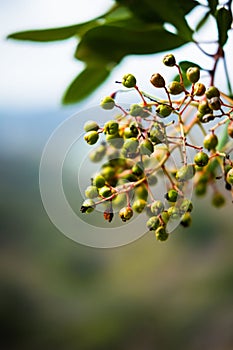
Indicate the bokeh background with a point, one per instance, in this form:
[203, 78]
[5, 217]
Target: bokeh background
[57, 294]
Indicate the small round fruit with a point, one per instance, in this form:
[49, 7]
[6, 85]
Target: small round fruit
[146, 147]
[91, 125]
[212, 91]
[138, 169]
[99, 181]
[131, 145]
[201, 159]
[199, 89]
[229, 177]
[164, 216]
[126, 213]
[156, 133]
[163, 110]
[175, 88]
[129, 80]
[161, 234]
[186, 172]
[214, 103]
[105, 192]
[141, 192]
[115, 140]
[193, 74]
[107, 103]
[91, 192]
[204, 108]
[139, 205]
[88, 206]
[157, 80]
[157, 207]
[111, 127]
[108, 172]
[218, 200]
[91, 137]
[169, 60]
[210, 141]
[153, 223]
[186, 205]
[200, 189]
[171, 195]
[186, 220]
[174, 213]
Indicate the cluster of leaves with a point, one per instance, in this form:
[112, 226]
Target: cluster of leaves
[140, 142]
[129, 27]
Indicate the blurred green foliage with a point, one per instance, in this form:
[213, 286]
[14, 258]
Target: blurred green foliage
[129, 27]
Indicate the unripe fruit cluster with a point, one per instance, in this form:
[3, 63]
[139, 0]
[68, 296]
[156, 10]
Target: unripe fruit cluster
[139, 142]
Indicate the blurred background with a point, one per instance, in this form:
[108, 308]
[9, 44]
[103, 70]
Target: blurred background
[57, 294]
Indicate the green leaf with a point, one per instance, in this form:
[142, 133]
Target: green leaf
[224, 21]
[53, 34]
[213, 5]
[111, 43]
[169, 11]
[85, 83]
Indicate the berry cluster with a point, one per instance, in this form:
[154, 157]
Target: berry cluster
[140, 142]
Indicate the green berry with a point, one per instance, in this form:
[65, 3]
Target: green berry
[200, 189]
[108, 172]
[169, 60]
[105, 191]
[230, 129]
[157, 80]
[131, 145]
[126, 214]
[171, 195]
[204, 108]
[99, 181]
[138, 169]
[214, 103]
[88, 206]
[212, 91]
[218, 200]
[229, 177]
[91, 137]
[129, 80]
[164, 216]
[153, 223]
[91, 192]
[210, 141]
[186, 220]
[164, 110]
[174, 213]
[138, 111]
[141, 191]
[107, 103]
[146, 147]
[199, 89]
[157, 207]
[161, 234]
[186, 205]
[201, 159]
[97, 154]
[156, 133]
[139, 205]
[193, 74]
[175, 88]
[91, 125]
[185, 173]
[111, 127]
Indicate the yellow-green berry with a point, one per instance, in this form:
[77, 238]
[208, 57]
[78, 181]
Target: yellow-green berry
[131, 145]
[157, 80]
[91, 192]
[126, 213]
[157, 207]
[175, 88]
[174, 213]
[201, 159]
[186, 205]
[91, 125]
[171, 195]
[186, 220]
[210, 141]
[91, 137]
[186, 172]
[141, 192]
[139, 205]
[169, 60]
[111, 127]
[218, 200]
[129, 80]
[105, 191]
[107, 103]
[193, 74]
[88, 206]
[164, 110]
[229, 177]
[212, 91]
[146, 147]
[161, 234]
[99, 181]
[115, 140]
[153, 223]
[138, 169]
